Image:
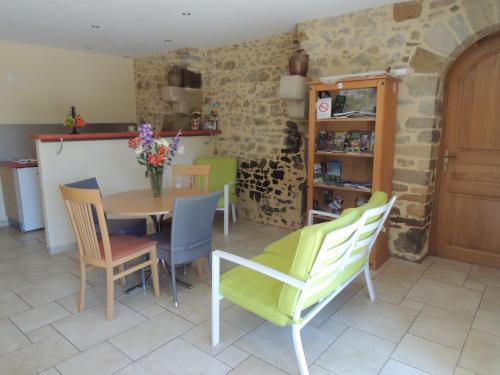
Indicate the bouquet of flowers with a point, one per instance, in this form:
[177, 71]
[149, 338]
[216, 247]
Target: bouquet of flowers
[154, 153]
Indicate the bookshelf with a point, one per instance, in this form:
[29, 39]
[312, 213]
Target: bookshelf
[362, 167]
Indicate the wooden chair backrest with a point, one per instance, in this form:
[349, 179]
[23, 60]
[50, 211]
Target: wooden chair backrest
[79, 203]
[198, 175]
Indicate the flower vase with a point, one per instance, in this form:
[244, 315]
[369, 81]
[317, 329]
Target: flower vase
[156, 181]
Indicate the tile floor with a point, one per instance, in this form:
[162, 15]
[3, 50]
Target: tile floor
[437, 317]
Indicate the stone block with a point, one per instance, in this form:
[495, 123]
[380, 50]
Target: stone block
[422, 85]
[424, 61]
[439, 38]
[429, 136]
[407, 10]
[411, 176]
[420, 123]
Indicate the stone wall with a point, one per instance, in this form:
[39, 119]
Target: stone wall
[244, 80]
[425, 37]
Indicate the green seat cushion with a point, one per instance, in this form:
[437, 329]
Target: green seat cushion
[255, 291]
[223, 170]
[310, 241]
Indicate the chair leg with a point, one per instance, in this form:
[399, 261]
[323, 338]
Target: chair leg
[110, 291]
[299, 350]
[123, 280]
[233, 212]
[174, 285]
[369, 284]
[143, 273]
[215, 300]
[83, 278]
[154, 273]
[199, 267]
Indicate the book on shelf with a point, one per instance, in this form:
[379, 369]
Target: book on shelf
[353, 114]
[346, 141]
[355, 142]
[333, 169]
[338, 105]
[338, 141]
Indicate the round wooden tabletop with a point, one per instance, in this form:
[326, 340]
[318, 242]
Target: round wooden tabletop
[141, 202]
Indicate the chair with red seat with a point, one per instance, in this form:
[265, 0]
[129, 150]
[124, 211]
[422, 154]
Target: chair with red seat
[104, 251]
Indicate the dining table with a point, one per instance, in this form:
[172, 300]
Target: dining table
[141, 203]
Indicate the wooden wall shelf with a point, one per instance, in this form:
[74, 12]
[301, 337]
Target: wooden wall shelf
[375, 168]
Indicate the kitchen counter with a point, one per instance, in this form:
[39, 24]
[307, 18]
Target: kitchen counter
[114, 135]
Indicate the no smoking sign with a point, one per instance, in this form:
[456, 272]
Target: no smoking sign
[323, 108]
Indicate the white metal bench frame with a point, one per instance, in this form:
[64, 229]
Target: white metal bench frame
[308, 287]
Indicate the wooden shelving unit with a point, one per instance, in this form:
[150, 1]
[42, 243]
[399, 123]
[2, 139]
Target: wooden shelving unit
[357, 167]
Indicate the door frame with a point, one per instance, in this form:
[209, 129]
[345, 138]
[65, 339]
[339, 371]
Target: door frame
[440, 158]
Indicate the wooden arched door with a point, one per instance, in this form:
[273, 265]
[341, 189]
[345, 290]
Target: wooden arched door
[467, 217]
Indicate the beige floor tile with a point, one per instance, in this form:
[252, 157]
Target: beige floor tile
[7, 242]
[411, 304]
[11, 338]
[442, 326]
[39, 316]
[461, 371]
[39, 273]
[153, 310]
[426, 355]
[485, 275]
[386, 292]
[90, 327]
[401, 276]
[201, 337]
[140, 299]
[316, 370]
[11, 304]
[41, 333]
[10, 280]
[195, 304]
[476, 285]
[447, 270]
[37, 357]
[25, 262]
[50, 371]
[378, 317]
[241, 318]
[176, 357]
[255, 366]
[356, 353]
[491, 299]
[333, 327]
[48, 290]
[232, 356]
[487, 321]
[274, 345]
[150, 335]
[393, 367]
[102, 359]
[455, 298]
[6, 254]
[481, 353]
[93, 296]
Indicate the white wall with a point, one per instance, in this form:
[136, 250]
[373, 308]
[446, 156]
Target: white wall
[110, 161]
[39, 84]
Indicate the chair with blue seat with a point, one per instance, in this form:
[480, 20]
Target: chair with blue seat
[190, 235]
[223, 174]
[304, 270]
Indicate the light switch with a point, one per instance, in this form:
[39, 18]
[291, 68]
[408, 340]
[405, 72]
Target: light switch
[11, 78]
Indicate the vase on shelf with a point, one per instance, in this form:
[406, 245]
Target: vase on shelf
[156, 182]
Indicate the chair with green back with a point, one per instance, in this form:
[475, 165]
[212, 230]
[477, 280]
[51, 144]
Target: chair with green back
[223, 170]
[304, 270]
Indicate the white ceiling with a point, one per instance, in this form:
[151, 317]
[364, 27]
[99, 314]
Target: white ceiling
[140, 27]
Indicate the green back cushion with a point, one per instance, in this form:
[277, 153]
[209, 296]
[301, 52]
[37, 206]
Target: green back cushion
[223, 170]
[377, 199]
[309, 243]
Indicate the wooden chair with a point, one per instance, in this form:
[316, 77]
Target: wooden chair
[198, 175]
[105, 251]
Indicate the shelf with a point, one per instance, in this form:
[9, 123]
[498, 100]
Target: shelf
[353, 119]
[343, 188]
[344, 154]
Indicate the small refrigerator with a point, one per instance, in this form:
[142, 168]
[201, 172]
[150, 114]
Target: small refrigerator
[22, 198]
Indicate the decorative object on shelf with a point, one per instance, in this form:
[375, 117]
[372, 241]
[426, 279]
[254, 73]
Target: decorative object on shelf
[74, 120]
[195, 121]
[174, 76]
[213, 117]
[154, 153]
[298, 64]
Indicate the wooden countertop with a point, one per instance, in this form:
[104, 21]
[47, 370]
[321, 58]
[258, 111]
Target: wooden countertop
[114, 135]
[17, 165]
